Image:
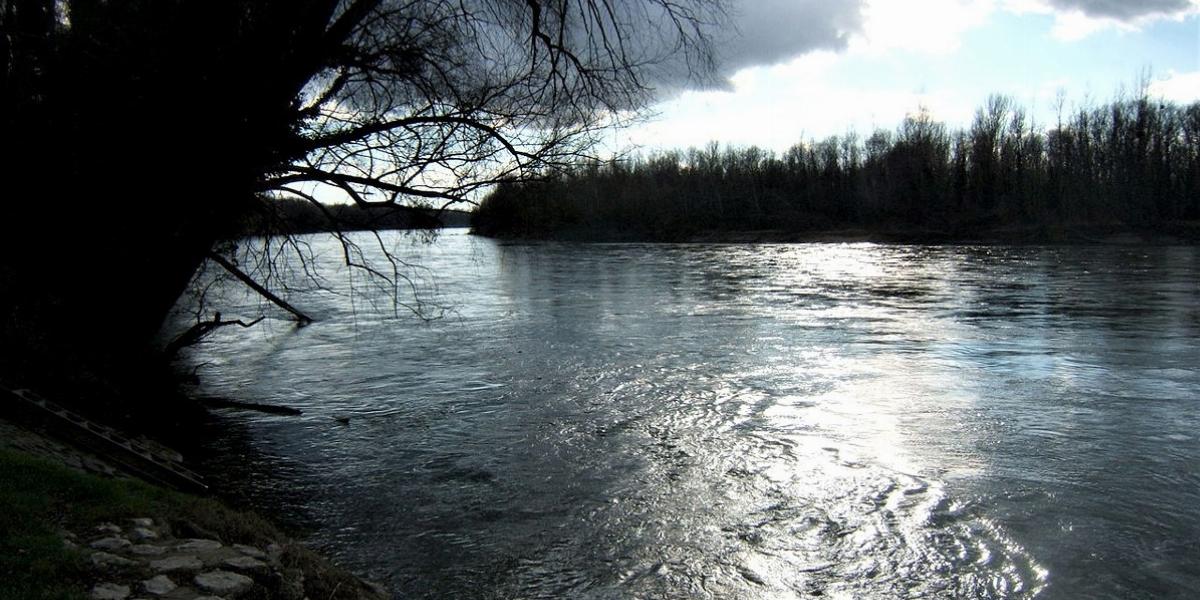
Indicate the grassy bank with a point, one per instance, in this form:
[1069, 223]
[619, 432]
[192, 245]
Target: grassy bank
[44, 506]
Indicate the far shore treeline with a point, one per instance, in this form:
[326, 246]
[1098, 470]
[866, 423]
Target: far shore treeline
[1132, 164]
[295, 216]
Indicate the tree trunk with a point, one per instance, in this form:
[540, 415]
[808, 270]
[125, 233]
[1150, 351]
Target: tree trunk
[133, 140]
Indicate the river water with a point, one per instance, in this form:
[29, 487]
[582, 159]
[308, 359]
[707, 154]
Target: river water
[731, 421]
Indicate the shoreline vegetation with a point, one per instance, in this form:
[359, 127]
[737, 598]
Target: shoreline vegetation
[1165, 234]
[74, 526]
[287, 216]
[1127, 171]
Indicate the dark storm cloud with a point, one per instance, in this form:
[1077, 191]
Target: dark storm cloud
[1123, 10]
[743, 33]
[767, 32]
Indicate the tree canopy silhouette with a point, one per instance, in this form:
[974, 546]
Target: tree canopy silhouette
[1129, 165]
[136, 133]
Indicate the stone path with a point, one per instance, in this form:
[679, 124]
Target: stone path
[140, 560]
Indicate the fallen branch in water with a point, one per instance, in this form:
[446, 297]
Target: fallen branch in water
[301, 318]
[237, 404]
[200, 330]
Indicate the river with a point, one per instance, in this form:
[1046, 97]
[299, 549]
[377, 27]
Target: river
[730, 421]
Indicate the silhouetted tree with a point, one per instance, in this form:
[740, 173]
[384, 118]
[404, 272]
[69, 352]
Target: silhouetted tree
[138, 132]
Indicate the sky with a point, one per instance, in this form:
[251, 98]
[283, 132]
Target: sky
[795, 70]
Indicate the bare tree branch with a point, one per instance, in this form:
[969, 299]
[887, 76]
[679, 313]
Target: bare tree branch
[202, 329]
[301, 318]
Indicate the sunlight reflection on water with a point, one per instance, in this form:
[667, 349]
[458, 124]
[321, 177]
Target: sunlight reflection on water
[856, 420]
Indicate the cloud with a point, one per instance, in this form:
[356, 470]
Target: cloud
[928, 27]
[759, 33]
[1178, 87]
[1077, 19]
[769, 32]
[778, 106]
[1125, 10]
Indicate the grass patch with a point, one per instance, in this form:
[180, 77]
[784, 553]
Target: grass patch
[33, 561]
[39, 499]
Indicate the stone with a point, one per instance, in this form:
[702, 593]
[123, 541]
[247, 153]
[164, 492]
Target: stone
[250, 551]
[110, 543]
[223, 583]
[142, 533]
[275, 551]
[110, 591]
[199, 545]
[142, 522]
[92, 465]
[246, 563]
[148, 550]
[108, 528]
[159, 585]
[177, 563]
[104, 559]
[208, 598]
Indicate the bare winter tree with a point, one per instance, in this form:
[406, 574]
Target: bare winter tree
[442, 99]
[432, 100]
[138, 133]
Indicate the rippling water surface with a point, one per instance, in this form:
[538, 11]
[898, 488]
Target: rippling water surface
[736, 421]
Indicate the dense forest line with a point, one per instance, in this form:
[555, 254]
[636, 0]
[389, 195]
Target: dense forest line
[1130, 164]
[294, 216]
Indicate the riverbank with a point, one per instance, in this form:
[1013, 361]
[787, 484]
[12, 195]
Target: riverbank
[73, 525]
[1182, 233]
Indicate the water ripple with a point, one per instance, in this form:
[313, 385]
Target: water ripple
[720, 421]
